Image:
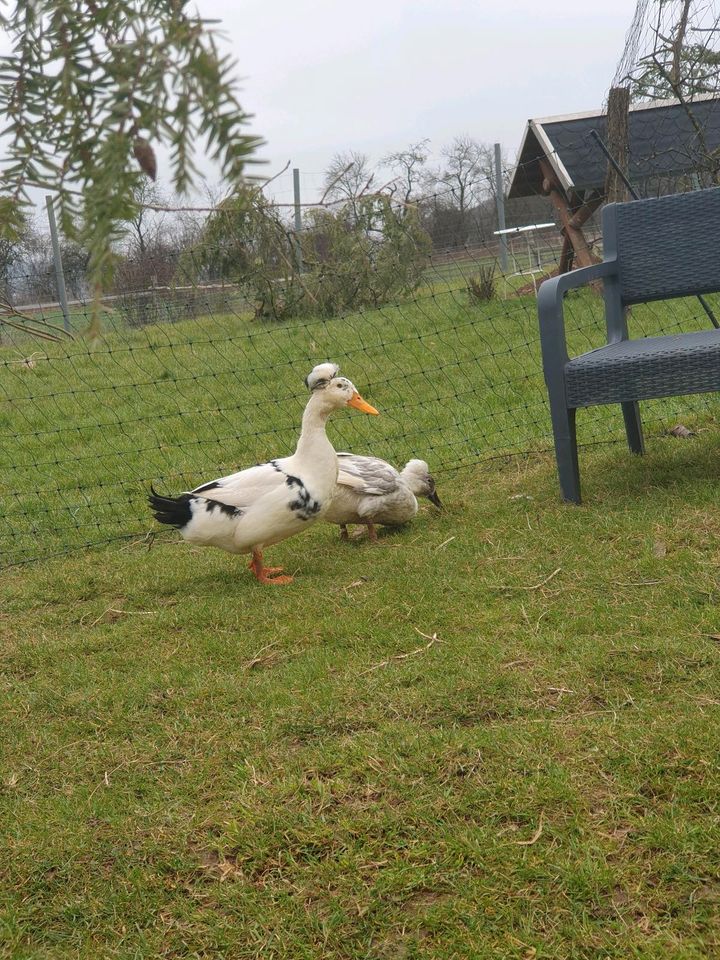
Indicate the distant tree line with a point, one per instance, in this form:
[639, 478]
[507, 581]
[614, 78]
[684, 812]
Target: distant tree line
[369, 239]
[455, 198]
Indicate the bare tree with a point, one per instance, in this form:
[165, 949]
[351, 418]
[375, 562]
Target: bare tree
[11, 251]
[464, 189]
[347, 178]
[75, 260]
[145, 229]
[37, 280]
[184, 229]
[466, 171]
[409, 167]
[681, 59]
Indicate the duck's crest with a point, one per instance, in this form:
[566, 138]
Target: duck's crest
[321, 375]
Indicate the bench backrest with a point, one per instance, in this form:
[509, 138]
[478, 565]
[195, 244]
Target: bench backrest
[666, 246]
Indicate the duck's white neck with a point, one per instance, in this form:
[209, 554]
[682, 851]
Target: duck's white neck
[313, 442]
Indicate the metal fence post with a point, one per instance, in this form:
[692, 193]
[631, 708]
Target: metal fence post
[298, 218]
[500, 202]
[59, 275]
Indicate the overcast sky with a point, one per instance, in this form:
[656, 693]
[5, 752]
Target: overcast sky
[325, 76]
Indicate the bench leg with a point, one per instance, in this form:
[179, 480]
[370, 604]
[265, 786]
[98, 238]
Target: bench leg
[563, 420]
[633, 427]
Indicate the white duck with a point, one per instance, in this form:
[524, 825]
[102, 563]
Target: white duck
[371, 491]
[250, 510]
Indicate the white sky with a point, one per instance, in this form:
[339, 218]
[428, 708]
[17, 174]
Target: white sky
[324, 76]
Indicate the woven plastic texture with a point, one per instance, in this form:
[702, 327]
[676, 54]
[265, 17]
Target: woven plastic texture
[645, 369]
[669, 246]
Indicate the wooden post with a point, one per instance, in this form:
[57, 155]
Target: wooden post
[617, 143]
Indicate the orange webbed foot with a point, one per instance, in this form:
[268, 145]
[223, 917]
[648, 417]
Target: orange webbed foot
[279, 581]
[262, 573]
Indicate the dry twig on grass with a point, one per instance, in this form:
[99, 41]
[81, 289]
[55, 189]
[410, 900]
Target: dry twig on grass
[115, 614]
[535, 837]
[535, 586]
[432, 640]
[445, 543]
[262, 657]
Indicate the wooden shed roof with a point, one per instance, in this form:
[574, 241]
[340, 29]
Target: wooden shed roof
[663, 141]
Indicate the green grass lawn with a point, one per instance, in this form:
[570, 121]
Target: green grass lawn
[86, 429]
[495, 734]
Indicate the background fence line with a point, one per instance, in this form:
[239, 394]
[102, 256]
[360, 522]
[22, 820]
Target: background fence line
[205, 344]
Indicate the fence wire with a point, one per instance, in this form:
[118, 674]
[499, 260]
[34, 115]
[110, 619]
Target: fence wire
[199, 370]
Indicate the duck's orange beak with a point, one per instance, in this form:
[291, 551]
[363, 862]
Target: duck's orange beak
[357, 401]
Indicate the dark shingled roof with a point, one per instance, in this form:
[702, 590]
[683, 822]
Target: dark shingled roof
[663, 142]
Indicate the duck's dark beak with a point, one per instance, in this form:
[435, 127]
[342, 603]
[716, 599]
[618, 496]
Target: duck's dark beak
[435, 499]
[357, 401]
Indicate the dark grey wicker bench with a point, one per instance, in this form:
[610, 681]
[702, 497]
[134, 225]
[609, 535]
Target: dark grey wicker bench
[655, 249]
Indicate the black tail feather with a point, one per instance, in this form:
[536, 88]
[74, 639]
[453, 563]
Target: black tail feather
[174, 511]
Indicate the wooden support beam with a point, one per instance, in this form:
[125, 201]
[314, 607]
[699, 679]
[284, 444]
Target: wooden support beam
[583, 214]
[571, 220]
[566, 256]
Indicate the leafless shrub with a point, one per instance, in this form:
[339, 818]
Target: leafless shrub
[482, 287]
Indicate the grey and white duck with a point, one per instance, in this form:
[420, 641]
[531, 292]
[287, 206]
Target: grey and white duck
[371, 491]
[248, 511]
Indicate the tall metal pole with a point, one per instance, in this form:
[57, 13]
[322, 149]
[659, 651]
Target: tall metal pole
[59, 275]
[298, 218]
[500, 201]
